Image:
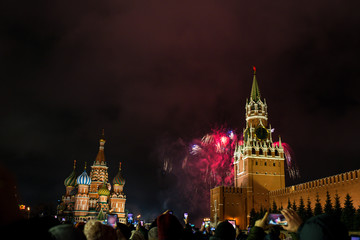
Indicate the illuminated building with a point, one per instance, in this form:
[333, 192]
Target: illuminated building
[259, 173]
[91, 197]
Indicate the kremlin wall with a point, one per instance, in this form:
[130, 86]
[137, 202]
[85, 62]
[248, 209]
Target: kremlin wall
[341, 184]
[259, 173]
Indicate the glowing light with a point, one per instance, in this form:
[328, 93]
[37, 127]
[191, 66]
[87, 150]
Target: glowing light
[231, 135]
[254, 68]
[22, 207]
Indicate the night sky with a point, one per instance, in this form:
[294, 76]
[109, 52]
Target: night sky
[153, 72]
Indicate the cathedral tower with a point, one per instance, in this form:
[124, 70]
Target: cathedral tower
[118, 198]
[258, 162]
[99, 172]
[81, 207]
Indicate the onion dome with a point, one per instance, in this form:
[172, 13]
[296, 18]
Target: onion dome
[103, 190]
[84, 178]
[118, 179]
[70, 181]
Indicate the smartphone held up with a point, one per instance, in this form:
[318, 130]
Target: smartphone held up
[276, 219]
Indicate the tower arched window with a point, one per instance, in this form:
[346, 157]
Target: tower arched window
[265, 164]
[273, 164]
[253, 151]
[276, 153]
[269, 152]
[261, 152]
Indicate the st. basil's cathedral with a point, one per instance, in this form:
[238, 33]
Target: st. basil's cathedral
[92, 197]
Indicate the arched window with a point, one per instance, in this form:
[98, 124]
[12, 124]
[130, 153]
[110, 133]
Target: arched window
[261, 152]
[269, 152]
[265, 163]
[273, 164]
[253, 151]
[256, 162]
[276, 153]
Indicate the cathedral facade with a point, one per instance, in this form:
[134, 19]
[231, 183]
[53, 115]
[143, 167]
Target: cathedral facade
[259, 173]
[93, 197]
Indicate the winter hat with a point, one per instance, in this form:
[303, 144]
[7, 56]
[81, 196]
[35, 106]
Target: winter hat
[153, 234]
[169, 227]
[225, 231]
[323, 226]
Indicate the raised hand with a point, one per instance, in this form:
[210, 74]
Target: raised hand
[262, 222]
[293, 220]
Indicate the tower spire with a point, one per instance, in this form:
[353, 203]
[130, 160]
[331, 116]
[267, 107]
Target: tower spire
[100, 158]
[255, 92]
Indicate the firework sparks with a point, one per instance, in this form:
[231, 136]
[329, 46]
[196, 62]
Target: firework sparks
[212, 157]
[292, 168]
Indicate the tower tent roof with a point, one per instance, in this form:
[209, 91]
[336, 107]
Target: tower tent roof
[100, 157]
[255, 92]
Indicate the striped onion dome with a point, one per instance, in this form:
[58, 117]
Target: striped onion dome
[71, 180]
[103, 190]
[118, 179]
[83, 179]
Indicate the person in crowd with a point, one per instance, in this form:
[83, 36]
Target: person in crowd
[123, 231]
[320, 227]
[153, 234]
[66, 232]
[80, 226]
[137, 235]
[169, 227]
[240, 235]
[95, 230]
[274, 233]
[224, 231]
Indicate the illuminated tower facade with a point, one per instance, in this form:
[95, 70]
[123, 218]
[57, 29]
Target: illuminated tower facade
[258, 162]
[81, 208]
[98, 174]
[118, 198]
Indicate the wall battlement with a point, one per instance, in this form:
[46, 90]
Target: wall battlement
[327, 181]
[340, 184]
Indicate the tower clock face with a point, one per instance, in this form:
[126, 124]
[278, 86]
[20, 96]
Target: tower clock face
[261, 133]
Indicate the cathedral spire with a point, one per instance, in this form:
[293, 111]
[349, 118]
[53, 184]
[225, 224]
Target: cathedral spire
[255, 92]
[100, 158]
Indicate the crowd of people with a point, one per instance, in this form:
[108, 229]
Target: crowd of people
[165, 227]
[168, 227]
